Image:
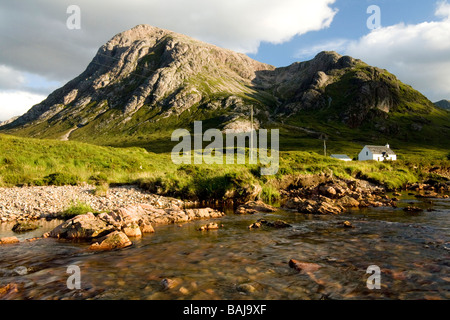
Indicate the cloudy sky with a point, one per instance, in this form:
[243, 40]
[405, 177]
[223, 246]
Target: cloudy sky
[39, 53]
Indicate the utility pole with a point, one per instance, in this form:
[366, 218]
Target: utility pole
[324, 147]
[251, 134]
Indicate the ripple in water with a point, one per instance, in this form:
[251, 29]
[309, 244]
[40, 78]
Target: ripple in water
[236, 263]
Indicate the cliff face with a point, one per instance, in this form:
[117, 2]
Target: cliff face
[148, 79]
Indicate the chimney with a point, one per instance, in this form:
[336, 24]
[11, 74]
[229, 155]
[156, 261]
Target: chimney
[388, 146]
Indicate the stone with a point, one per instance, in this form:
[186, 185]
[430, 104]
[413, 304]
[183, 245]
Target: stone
[209, 226]
[147, 228]
[347, 224]
[412, 209]
[114, 240]
[255, 225]
[303, 266]
[348, 202]
[246, 288]
[278, 224]
[252, 207]
[132, 230]
[23, 226]
[9, 240]
[327, 191]
[170, 283]
[85, 226]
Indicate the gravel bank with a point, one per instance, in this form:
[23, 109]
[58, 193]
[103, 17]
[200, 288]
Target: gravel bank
[25, 203]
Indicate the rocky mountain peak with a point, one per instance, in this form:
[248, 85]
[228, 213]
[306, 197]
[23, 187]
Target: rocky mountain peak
[145, 75]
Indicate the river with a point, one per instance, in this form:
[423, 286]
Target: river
[412, 251]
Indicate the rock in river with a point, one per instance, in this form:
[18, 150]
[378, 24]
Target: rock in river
[252, 207]
[86, 226]
[114, 240]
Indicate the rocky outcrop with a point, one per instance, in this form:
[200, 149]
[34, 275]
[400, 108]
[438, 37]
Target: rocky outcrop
[146, 74]
[127, 222]
[252, 207]
[335, 197]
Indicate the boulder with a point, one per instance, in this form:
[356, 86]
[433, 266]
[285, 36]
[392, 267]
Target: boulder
[252, 207]
[86, 226]
[23, 226]
[114, 240]
[348, 202]
[412, 209]
[132, 230]
[327, 191]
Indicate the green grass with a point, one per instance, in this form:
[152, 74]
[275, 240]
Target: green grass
[27, 161]
[75, 209]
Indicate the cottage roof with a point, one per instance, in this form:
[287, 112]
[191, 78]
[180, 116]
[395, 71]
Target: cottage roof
[381, 150]
[340, 156]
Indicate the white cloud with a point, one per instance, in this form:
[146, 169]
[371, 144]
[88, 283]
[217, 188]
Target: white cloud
[10, 78]
[35, 38]
[418, 54]
[38, 51]
[338, 45]
[16, 103]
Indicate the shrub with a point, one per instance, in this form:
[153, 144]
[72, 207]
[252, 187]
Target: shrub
[61, 179]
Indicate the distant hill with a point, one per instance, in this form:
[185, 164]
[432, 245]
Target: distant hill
[146, 81]
[4, 123]
[444, 104]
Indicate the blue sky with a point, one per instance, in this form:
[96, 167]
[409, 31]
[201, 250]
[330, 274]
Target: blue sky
[38, 53]
[349, 23]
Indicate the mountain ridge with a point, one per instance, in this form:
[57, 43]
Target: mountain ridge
[444, 104]
[145, 81]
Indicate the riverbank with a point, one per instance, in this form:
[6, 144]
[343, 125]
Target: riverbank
[29, 203]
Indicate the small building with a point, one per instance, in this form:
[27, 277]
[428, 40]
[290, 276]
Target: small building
[377, 153]
[342, 157]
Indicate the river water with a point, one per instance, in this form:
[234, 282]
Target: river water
[412, 251]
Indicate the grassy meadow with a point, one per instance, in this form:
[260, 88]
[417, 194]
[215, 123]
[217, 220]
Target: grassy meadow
[28, 161]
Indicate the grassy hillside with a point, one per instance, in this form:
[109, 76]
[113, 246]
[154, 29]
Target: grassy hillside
[27, 161]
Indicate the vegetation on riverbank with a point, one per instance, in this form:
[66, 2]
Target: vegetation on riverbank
[26, 161]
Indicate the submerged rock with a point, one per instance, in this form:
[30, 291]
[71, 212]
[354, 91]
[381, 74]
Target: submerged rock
[303, 266]
[412, 209]
[209, 226]
[278, 224]
[22, 226]
[9, 240]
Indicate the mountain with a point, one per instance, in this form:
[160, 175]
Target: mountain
[444, 104]
[147, 81]
[4, 123]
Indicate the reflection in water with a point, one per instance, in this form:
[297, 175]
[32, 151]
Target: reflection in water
[234, 262]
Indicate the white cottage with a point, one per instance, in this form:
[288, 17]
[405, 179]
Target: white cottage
[377, 153]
